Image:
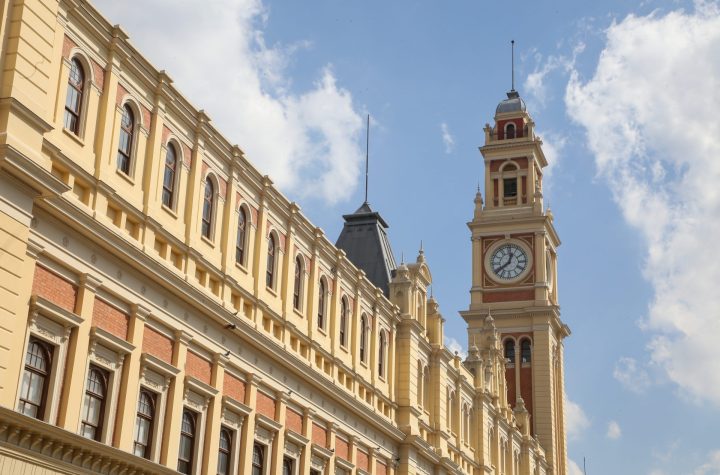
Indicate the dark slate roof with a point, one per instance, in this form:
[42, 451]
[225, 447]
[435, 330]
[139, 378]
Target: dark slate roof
[366, 244]
[513, 103]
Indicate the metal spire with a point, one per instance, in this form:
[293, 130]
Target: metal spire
[512, 54]
[367, 157]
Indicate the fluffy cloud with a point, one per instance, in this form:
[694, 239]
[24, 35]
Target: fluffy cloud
[536, 82]
[574, 468]
[650, 115]
[613, 430]
[575, 419]
[308, 142]
[447, 138]
[631, 375]
[711, 466]
[455, 346]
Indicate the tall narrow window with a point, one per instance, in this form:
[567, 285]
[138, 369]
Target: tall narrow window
[127, 132]
[510, 131]
[343, 321]
[510, 351]
[426, 387]
[168, 193]
[288, 466]
[240, 240]
[525, 352]
[297, 287]
[34, 387]
[363, 338]
[381, 354]
[224, 449]
[74, 98]
[208, 205]
[94, 404]
[187, 443]
[420, 383]
[144, 424]
[321, 304]
[270, 271]
[258, 460]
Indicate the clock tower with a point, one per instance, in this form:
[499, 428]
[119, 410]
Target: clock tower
[514, 275]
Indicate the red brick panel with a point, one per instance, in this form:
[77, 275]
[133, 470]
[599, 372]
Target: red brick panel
[121, 93]
[363, 460]
[68, 45]
[165, 134]
[511, 389]
[234, 387]
[146, 116]
[54, 288]
[187, 155]
[342, 449]
[293, 421]
[509, 296]
[110, 319]
[198, 367]
[265, 405]
[380, 468]
[319, 435]
[157, 344]
[99, 73]
[526, 388]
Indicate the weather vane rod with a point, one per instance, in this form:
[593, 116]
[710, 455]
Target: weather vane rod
[512, 68]
[367, 157]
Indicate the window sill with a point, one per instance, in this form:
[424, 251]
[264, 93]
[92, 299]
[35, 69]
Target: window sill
[125, 176]
[271, 291]
[74, 136]
[298, 313]
[169, 211]
[344, 348]
[207, 241]
[241, 267]
[322, 330]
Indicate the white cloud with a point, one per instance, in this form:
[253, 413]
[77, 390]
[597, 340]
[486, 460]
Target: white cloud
[447, 138]
[575, 419]
[536, 82]
[553, 145]
[711, 466]
[631, 375]
[650, 114]
[574, 468]
[308, 142]
[613, 430]
[454, 346]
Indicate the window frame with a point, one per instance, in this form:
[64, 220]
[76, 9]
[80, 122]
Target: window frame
[170, 192]
[509, 358]
[271, 261]
[149, 446]
[241, 244]
[207, 210]
[81, 89]
[105, 381]
[510, 126]
[298, 283]
[344, 313]
[322, 303]
[382, 342]
[225, 452]
[258, 467]
[363, 344]
[131, 132]
[193, 439]
[523, 359]
[41, 406]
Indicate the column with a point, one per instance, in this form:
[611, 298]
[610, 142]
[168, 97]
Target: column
[248, 430]
[278, 448]
[175, 396]
[71, 399]
[130, 386]
[214, 413]
[306, 457]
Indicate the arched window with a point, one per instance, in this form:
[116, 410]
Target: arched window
[168, 193]
[455, 413]
[288, 466]
[186, 452]
[322, 298]
[144, 424]
[525, 351]
[510, 131]
[34, 387]
[270, 271]
[466, 423]
[94, 404]
[297, 287]
[258, 460]
[240, 240]
[208, 208]
[223, 467]
[363, 338]
[127, 137]
[74, 98]
[381, 354]
[343, 321]
[509, 351]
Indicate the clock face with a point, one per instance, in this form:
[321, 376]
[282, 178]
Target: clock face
[509, 261]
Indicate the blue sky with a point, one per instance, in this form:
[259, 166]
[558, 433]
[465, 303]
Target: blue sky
[625, 95]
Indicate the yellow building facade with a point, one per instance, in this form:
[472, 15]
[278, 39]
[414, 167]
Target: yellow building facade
[164, 308]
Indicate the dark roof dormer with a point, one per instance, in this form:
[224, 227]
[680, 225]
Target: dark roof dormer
[513, 103]
[365, 242]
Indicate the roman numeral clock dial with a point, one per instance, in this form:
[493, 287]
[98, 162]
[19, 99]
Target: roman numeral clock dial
[508, 262]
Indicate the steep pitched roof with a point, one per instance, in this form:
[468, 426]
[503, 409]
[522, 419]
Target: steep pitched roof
[366, 244]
